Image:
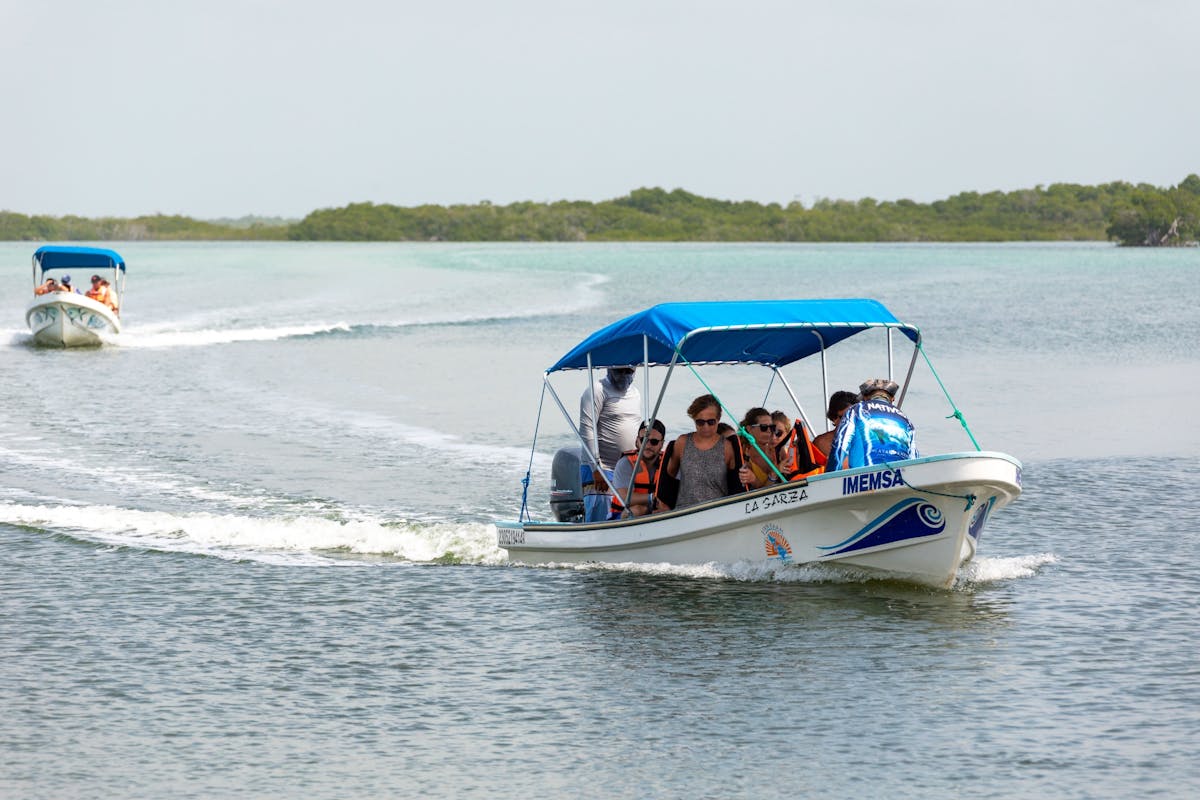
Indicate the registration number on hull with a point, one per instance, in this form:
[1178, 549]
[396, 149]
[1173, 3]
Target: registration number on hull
[510, 536]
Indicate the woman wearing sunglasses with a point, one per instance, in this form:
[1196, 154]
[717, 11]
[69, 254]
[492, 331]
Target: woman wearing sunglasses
[761, 463]
[701, 459]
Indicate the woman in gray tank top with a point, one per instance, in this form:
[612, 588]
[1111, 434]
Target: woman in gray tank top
[701, 459]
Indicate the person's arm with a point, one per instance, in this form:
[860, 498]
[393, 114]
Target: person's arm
[588, 405]
[676, 451]
[839, 451]
[622, 477]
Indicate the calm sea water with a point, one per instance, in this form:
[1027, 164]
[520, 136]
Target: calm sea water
[247, 549]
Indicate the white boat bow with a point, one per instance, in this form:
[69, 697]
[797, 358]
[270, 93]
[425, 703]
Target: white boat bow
[70, 320]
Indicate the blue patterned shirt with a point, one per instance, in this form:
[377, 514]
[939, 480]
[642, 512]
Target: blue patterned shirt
[871, 432]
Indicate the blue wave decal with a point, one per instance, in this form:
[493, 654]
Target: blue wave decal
[980, 517]
[908, 519]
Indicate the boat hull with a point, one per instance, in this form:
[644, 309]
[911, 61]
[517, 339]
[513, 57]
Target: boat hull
[919, 520]
[70, 320]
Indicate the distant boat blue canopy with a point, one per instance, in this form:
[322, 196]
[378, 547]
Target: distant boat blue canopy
[770, 332]
[54, 257]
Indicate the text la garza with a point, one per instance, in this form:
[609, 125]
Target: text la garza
[770, 501]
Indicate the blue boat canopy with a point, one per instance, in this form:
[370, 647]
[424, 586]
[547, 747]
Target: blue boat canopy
[55, 257]
[769, 332]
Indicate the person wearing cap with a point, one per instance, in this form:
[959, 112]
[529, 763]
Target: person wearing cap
[102, 292]
[98, 292]
[637, 502]
[872, 431]
[609, 414]
[64, 284]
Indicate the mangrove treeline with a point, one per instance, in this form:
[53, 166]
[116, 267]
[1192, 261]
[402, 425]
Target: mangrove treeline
[1136, 215]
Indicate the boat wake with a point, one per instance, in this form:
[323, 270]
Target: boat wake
[206, 337]
[16, 338]
[302, 540]
[152, 338]
[340, 540]
[985, 570]
[979, 572]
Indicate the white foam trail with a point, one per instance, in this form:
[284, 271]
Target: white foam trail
[206, 337]
[744, 571]
[996, 569]
[290, 540]
[15, 337]
[986, 570]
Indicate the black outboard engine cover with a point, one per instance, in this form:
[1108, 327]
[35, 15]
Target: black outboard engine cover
[566, 485]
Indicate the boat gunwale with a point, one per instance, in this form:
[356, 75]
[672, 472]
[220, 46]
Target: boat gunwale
[530, 525]
[76, 300]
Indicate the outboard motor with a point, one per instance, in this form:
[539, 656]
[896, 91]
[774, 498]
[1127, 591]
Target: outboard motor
[566, 485]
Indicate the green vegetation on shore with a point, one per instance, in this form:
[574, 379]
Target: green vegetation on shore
[1140, 215]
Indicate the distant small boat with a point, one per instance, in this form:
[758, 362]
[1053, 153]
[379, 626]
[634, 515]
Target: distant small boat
[59, 317]
[918, 519]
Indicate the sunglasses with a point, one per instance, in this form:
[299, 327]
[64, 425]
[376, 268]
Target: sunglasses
[763, 428]
[779, 431]
[653, 441]
[701, 421]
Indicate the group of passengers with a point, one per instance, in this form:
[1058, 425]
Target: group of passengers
[716, 459]
[101, 291]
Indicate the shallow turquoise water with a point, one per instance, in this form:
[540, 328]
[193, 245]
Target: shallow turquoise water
[247, 549]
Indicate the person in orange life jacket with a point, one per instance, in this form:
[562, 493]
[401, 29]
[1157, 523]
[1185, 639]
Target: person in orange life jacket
[757, 471]
[637, 501]
[873, 431]
[113, 302]
[793, 446]
[98, 292]
[838, 403]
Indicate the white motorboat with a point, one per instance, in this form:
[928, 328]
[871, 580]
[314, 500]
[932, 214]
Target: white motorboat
[66, 318]
[919, 519]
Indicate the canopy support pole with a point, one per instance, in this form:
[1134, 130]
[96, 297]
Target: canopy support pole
[908, 378]
[824, 379]
[593, 459]
[594, 445]
[891, 368]
[783, 379]
[657, 405]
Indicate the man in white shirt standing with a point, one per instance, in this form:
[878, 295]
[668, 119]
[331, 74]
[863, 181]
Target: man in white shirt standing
[609, 415]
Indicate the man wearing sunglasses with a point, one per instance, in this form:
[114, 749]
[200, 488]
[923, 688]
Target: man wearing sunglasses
[644, 485]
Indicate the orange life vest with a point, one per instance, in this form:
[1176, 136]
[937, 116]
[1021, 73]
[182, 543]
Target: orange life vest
[805, 459]
[643, 481]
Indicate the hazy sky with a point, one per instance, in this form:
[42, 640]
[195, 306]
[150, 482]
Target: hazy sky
[280, 107]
